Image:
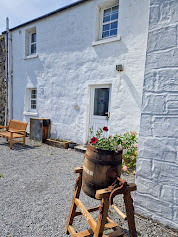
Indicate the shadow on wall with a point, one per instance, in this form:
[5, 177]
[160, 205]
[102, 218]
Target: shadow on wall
[133, 90]
[114, 49]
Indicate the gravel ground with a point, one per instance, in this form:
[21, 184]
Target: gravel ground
[37, 188]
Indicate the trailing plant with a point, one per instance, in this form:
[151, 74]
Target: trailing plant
[127, 142]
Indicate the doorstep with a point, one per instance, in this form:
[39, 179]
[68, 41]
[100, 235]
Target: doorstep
[81, 148]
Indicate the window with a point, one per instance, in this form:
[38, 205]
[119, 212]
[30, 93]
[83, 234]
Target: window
[110, 21]
[30, 42]
[31, 102]
[33, 98]
[107, 17]
[33, 43]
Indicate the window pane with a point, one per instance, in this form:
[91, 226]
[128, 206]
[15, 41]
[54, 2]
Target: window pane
[114, 25]
[114, 16]
[33, 104]
[33, 94]
[106, 27]
[113, 32]
[115, 9]
[101, 101]
[107, 12]
[33, 48]
[105, 34]
[106, 18]
[33, 37]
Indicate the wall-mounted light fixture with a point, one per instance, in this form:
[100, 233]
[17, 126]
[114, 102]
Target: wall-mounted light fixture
[119, 67]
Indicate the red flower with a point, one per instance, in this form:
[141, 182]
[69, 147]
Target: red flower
[93, 140]
[105, 129]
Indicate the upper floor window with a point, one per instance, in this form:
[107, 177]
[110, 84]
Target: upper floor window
[30, 41]
[110, 22]
[33, 43]
[107, 18]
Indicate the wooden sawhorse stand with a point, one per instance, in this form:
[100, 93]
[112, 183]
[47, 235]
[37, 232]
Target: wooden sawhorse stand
[98, 227]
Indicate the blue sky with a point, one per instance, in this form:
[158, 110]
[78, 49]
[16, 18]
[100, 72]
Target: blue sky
[20, 11]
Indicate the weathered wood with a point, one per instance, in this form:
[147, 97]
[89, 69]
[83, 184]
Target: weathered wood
[119, 212]
[100, 169]
[16, 129]
[86, 214]
[72, 231]
[78, 170]
[104, 193]
[130, 214]
[117, 233]
[103, 213]
[73, 207]
[79, 213]
[98, 228]
[90, 231]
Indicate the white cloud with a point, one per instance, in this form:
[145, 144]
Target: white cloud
[20, 11]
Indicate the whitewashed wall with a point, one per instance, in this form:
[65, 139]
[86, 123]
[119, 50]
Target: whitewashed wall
[157, 165]
[67, 63]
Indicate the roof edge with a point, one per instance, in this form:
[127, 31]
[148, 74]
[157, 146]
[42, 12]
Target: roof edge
[48, 14]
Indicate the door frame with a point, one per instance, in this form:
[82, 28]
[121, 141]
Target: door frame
[91, 88]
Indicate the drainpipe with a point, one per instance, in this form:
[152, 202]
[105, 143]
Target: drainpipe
[7, 71]
[10, 74]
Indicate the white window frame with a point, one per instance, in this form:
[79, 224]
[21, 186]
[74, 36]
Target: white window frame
[28, 43]
[31, 43]
[34, 99]
[99, 23]
[109, 22]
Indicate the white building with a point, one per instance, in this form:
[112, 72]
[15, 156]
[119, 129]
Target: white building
[63, 67]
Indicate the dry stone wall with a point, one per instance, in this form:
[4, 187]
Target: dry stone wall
[157, 166]
[2, 80]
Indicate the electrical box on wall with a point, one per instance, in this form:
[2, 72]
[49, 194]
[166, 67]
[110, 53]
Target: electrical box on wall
[119, 67]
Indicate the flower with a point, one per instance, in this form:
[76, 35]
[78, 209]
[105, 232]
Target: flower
[93, 140]
[133, 157]
[136, 145]
[125, 142]
[124, 168]
[105, 129]
[136, 152]
[133, 133]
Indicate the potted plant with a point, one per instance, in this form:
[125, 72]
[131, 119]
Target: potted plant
[103, 160]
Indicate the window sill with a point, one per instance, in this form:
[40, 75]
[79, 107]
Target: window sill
[35, 114]
[108, 40]
[31, 56]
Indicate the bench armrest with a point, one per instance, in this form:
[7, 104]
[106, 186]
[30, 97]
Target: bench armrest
[3, 127]
[17, 131]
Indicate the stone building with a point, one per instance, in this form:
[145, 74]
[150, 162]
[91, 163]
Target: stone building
[2, 80]
[157, 164]
[64, 67]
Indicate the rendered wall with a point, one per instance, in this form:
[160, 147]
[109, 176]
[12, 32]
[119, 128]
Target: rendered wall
[157, 165]
[2, 79]
[67, 64]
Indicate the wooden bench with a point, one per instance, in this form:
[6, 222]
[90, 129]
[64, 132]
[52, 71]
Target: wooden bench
[16, 129]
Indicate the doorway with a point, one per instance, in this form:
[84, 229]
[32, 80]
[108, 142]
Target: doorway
[100, 108]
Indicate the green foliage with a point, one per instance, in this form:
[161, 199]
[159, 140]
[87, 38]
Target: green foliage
[1, 176]
[126, 142]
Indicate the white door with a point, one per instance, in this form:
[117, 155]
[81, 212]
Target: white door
[99, 109]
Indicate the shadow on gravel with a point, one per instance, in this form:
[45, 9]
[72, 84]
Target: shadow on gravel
[19, 147]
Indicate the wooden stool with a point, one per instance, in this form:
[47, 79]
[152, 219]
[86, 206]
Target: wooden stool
[98, 227]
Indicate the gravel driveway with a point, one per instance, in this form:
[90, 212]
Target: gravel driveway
[37, 188]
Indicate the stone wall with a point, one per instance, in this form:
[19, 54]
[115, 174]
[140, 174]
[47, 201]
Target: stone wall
[2, 79]
[157, 166]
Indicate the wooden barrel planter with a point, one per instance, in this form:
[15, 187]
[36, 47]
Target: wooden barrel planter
[99, 169]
